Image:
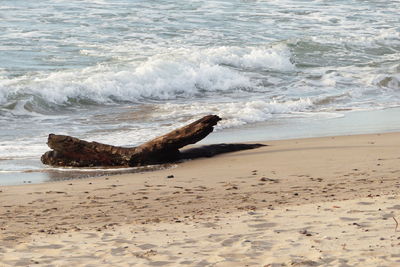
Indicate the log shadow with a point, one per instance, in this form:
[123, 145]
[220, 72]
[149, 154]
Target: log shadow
[208, 151]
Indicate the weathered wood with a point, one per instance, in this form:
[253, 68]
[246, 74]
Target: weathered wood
[73, 152]
[166, 148]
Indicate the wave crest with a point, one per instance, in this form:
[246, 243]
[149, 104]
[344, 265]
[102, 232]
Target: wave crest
[170, 75]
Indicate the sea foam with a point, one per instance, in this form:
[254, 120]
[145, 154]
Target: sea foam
[169, 75]
[236, 113]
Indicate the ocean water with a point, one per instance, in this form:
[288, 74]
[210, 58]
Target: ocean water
[123, 72]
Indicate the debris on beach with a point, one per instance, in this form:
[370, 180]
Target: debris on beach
[69, 151]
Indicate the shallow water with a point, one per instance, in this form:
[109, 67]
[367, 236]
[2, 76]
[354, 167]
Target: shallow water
[123, 72]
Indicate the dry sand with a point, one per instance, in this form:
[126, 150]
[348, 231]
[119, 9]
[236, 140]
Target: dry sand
[310, 202]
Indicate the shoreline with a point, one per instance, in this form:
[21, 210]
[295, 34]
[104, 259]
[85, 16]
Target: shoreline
[351, 123]
[357, 122]
[296, 175]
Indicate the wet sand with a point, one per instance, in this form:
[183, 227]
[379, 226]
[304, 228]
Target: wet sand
[330, 201]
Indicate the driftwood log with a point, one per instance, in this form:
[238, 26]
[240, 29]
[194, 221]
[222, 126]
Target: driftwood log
[73, 152]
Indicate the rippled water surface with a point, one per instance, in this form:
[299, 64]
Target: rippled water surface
[125, 71]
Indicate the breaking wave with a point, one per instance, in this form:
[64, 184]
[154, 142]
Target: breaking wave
[170, 75]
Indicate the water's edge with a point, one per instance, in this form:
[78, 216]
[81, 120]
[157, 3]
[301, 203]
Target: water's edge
[358, 122]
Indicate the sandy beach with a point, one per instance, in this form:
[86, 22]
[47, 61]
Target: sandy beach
[330, 201]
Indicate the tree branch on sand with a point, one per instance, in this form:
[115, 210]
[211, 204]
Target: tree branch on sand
[74, 152]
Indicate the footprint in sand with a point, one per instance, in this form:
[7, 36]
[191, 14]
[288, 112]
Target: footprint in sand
[365, 203]
[147, 246]
[263, 225]
[349, 219]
